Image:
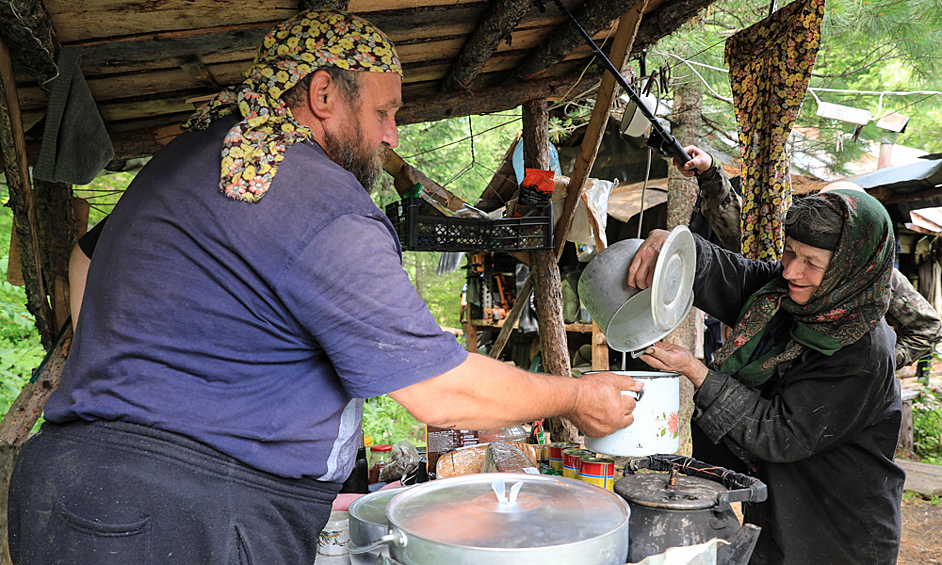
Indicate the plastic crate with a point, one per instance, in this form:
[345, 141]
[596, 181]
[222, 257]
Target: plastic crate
[423, 228]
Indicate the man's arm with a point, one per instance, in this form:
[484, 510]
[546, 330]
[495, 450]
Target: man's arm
[78, 272]
[484, 393]
[917, 324]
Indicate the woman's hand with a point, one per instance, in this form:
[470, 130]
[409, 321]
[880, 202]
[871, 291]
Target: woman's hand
[674, 358]
[700, 162]
[641, 272]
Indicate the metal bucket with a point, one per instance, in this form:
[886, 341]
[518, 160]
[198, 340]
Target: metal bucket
[631, 319]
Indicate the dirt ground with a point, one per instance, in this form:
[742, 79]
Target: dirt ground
[922, 533]
[922, 521]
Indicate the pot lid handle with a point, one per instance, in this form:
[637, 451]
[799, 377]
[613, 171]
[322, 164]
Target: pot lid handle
[506, 503]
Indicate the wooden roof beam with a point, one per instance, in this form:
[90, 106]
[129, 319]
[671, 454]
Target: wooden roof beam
[662, 20]
[594, 16]
[499, 21]
[323, 5]
[455, 104]
[26, 28]
[196, 69]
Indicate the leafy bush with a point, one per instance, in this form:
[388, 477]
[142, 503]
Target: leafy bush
[927, 425]
[20, 349]
[386, 421]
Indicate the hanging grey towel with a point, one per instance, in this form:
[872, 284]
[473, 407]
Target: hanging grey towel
[75, 145]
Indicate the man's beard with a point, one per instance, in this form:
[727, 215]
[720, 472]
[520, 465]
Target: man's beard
[349, 151]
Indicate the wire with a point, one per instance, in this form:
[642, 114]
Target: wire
[880, 93]
[688, 63]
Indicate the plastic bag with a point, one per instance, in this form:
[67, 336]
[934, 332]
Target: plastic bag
[591, 215]
[588, 225]
[405, 458]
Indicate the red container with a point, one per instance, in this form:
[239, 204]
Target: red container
[599, 471]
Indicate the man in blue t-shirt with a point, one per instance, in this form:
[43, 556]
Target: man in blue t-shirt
[245, 296]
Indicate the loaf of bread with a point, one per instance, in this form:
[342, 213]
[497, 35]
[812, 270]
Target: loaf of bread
[462, 461]
[506, 457]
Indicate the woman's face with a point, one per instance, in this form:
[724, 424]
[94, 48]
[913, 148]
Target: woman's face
[804, 269]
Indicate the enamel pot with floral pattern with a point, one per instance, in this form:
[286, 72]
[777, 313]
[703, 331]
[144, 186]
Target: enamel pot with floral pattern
[655, 429]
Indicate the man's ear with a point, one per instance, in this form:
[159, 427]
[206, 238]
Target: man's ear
[323, 95]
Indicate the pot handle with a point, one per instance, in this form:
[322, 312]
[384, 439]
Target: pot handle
[392, 538]
[742, 488]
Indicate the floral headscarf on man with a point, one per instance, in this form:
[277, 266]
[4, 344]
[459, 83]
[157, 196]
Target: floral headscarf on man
[312, 40]
[851, 300]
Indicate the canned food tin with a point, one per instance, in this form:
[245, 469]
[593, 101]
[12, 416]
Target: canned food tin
[598, 471]
[556, 453]
[571, 459]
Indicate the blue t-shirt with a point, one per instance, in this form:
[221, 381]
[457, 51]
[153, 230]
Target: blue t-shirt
[253, 328]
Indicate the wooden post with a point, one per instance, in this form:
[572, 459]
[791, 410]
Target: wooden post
[681, 194]
[621, 47]
[549, 294]
[599, 349]
[55, 217]
[13, 146]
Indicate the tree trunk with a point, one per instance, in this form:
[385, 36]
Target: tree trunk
[57, 234]
[548, 294]
[681, 196]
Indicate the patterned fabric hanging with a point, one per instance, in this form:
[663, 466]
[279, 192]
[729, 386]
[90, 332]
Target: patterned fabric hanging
[770, 64]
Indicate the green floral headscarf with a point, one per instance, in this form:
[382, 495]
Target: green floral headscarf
[312, 40]
[851, 300]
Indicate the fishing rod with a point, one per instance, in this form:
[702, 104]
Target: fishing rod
[666, 144]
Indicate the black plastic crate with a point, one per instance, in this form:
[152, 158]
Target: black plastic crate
[423, 228]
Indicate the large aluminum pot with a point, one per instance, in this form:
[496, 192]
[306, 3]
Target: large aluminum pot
[655, 429]
[368, 524]
[631, 319]
[508, 518]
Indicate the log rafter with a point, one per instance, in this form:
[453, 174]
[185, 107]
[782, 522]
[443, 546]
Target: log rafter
[594, 16]
[498, 22]
[26, 28]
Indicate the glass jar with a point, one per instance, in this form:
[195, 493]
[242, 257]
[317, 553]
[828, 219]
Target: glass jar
[380, 456]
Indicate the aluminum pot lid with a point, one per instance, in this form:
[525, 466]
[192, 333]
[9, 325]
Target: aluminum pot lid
[652, 490]
[672, 287]
[371, 508]
[507, 510]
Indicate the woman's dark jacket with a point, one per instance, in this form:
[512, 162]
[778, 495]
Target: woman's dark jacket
[821, 433]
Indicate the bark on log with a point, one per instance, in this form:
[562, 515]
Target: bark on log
[28, 31]
[26, 409]
[8, 454]
[323, 5]
[13, 146]
[594, 16]
[500, 20]
[681, 195]
[55, 219]
[549, 294]
[444, 106]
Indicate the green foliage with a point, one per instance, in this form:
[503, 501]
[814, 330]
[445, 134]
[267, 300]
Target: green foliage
[868, 47]
[20, 349]
[386, 421]
[927, 425]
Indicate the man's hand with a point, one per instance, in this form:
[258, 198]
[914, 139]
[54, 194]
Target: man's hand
[700, 162]
[641, 272]
[600, 407]
[670, 357]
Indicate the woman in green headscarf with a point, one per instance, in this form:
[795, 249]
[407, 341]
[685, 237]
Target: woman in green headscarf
[803, 393]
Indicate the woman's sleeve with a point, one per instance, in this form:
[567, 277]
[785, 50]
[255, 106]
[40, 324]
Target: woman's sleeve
[725, 280]
[830, 400]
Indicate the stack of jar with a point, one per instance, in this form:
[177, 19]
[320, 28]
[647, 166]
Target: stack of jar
[575, 462]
